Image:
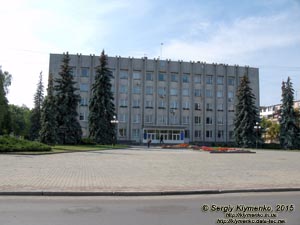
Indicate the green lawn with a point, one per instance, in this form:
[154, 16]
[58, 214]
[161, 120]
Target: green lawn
[71, 148]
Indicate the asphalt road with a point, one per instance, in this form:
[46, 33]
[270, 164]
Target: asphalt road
[164, 210]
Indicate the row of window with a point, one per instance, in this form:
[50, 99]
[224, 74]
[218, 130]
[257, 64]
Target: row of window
[174, 77]
[163, 119]
[197, 133]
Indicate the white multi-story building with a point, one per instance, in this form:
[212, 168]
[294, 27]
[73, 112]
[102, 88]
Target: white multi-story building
[180, 101]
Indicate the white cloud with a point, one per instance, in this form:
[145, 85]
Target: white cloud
[242, 37]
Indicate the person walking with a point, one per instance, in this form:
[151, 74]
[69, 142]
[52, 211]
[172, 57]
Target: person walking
[161, 139]
[149, 142]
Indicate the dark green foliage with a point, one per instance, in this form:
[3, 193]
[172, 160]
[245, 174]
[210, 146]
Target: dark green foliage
[246, 116]
[20, 120]
[66, 99]
[289, 132]
[5, 80]
[48, 132]
[11, 144]
[35, 118]
[102, 108]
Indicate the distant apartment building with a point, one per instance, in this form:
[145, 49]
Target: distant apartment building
[272, 112]
[179, 101]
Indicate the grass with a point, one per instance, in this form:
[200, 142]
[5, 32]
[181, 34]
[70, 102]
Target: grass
[71, 148]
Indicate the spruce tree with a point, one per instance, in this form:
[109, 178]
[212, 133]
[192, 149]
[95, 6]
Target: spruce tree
[289, 132]
[246, 115]
[35, 118]
[48, 132]
[5, 125]
[66, 98]
[101, 107]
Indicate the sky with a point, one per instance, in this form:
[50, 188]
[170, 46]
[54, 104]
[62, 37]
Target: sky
[258, 33]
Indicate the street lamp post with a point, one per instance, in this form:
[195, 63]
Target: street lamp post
[115, 122]
[257, 127]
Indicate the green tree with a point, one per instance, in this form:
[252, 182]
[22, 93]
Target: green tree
[101, 107]
[37, 110]
[270, 129]
[289, 132]
[48, 132]
[5, 120]
[69, 130]
[20, 120]
[246, 116]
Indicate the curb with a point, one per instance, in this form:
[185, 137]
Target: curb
[146, 193]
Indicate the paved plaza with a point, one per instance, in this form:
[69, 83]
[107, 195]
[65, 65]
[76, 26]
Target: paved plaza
[139, 169]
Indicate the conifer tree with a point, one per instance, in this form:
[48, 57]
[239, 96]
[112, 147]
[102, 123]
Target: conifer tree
[289, 132]
[101, 107]
[48, 132]
[5, 81]
[246, 115]
[66, 98]
[35, 117]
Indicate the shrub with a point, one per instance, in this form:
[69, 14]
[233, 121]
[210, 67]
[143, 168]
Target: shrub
[87, 141]
[12, 144]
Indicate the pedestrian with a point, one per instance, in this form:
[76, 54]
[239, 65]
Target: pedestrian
[161, 139]
[148, 143]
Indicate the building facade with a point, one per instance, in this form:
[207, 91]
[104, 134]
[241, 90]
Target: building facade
[178, 101]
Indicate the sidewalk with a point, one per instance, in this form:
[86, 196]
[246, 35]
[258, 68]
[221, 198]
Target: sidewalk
[140, 169]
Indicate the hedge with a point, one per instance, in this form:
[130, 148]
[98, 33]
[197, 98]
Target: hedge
[12, 144]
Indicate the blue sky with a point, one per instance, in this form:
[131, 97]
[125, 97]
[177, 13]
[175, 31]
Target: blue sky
[258, 33]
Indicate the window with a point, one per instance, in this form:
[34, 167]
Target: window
[136, 90]
[230, 108]
[174, 77]
[148, 119]
[185, 105]
[73, 71]
[198, 106]
[220, 80]
[136, 103]
[84, 87]
[208, 93]
[185, 92]
[197, 92]
[220, 134]
[136, 118]
[220, 94]
[123, 103]
[162, 119]
[161, 91]
[209, 79]
[123, 88]
[185, 119]
[135, 133]
[230, 96]
[173, 104]
[208, 120]
[123, 117]
[82, 116]
[197, 119]
[136, 75]
[113, 89]
[209, 134]
[123, 74]
[149, 76]
[161, 77]
[122, 132]
[231, 81]
[174, 119]
[220, 120]
[83, 101]
[185, 78]
[197, 79]
[220, 107]
[173, 91]
[209, 107]
[162, 104]
[197, 133]
[187, 134]
[231, 134]
[149, 90]
[84, 72]
[149, 104]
